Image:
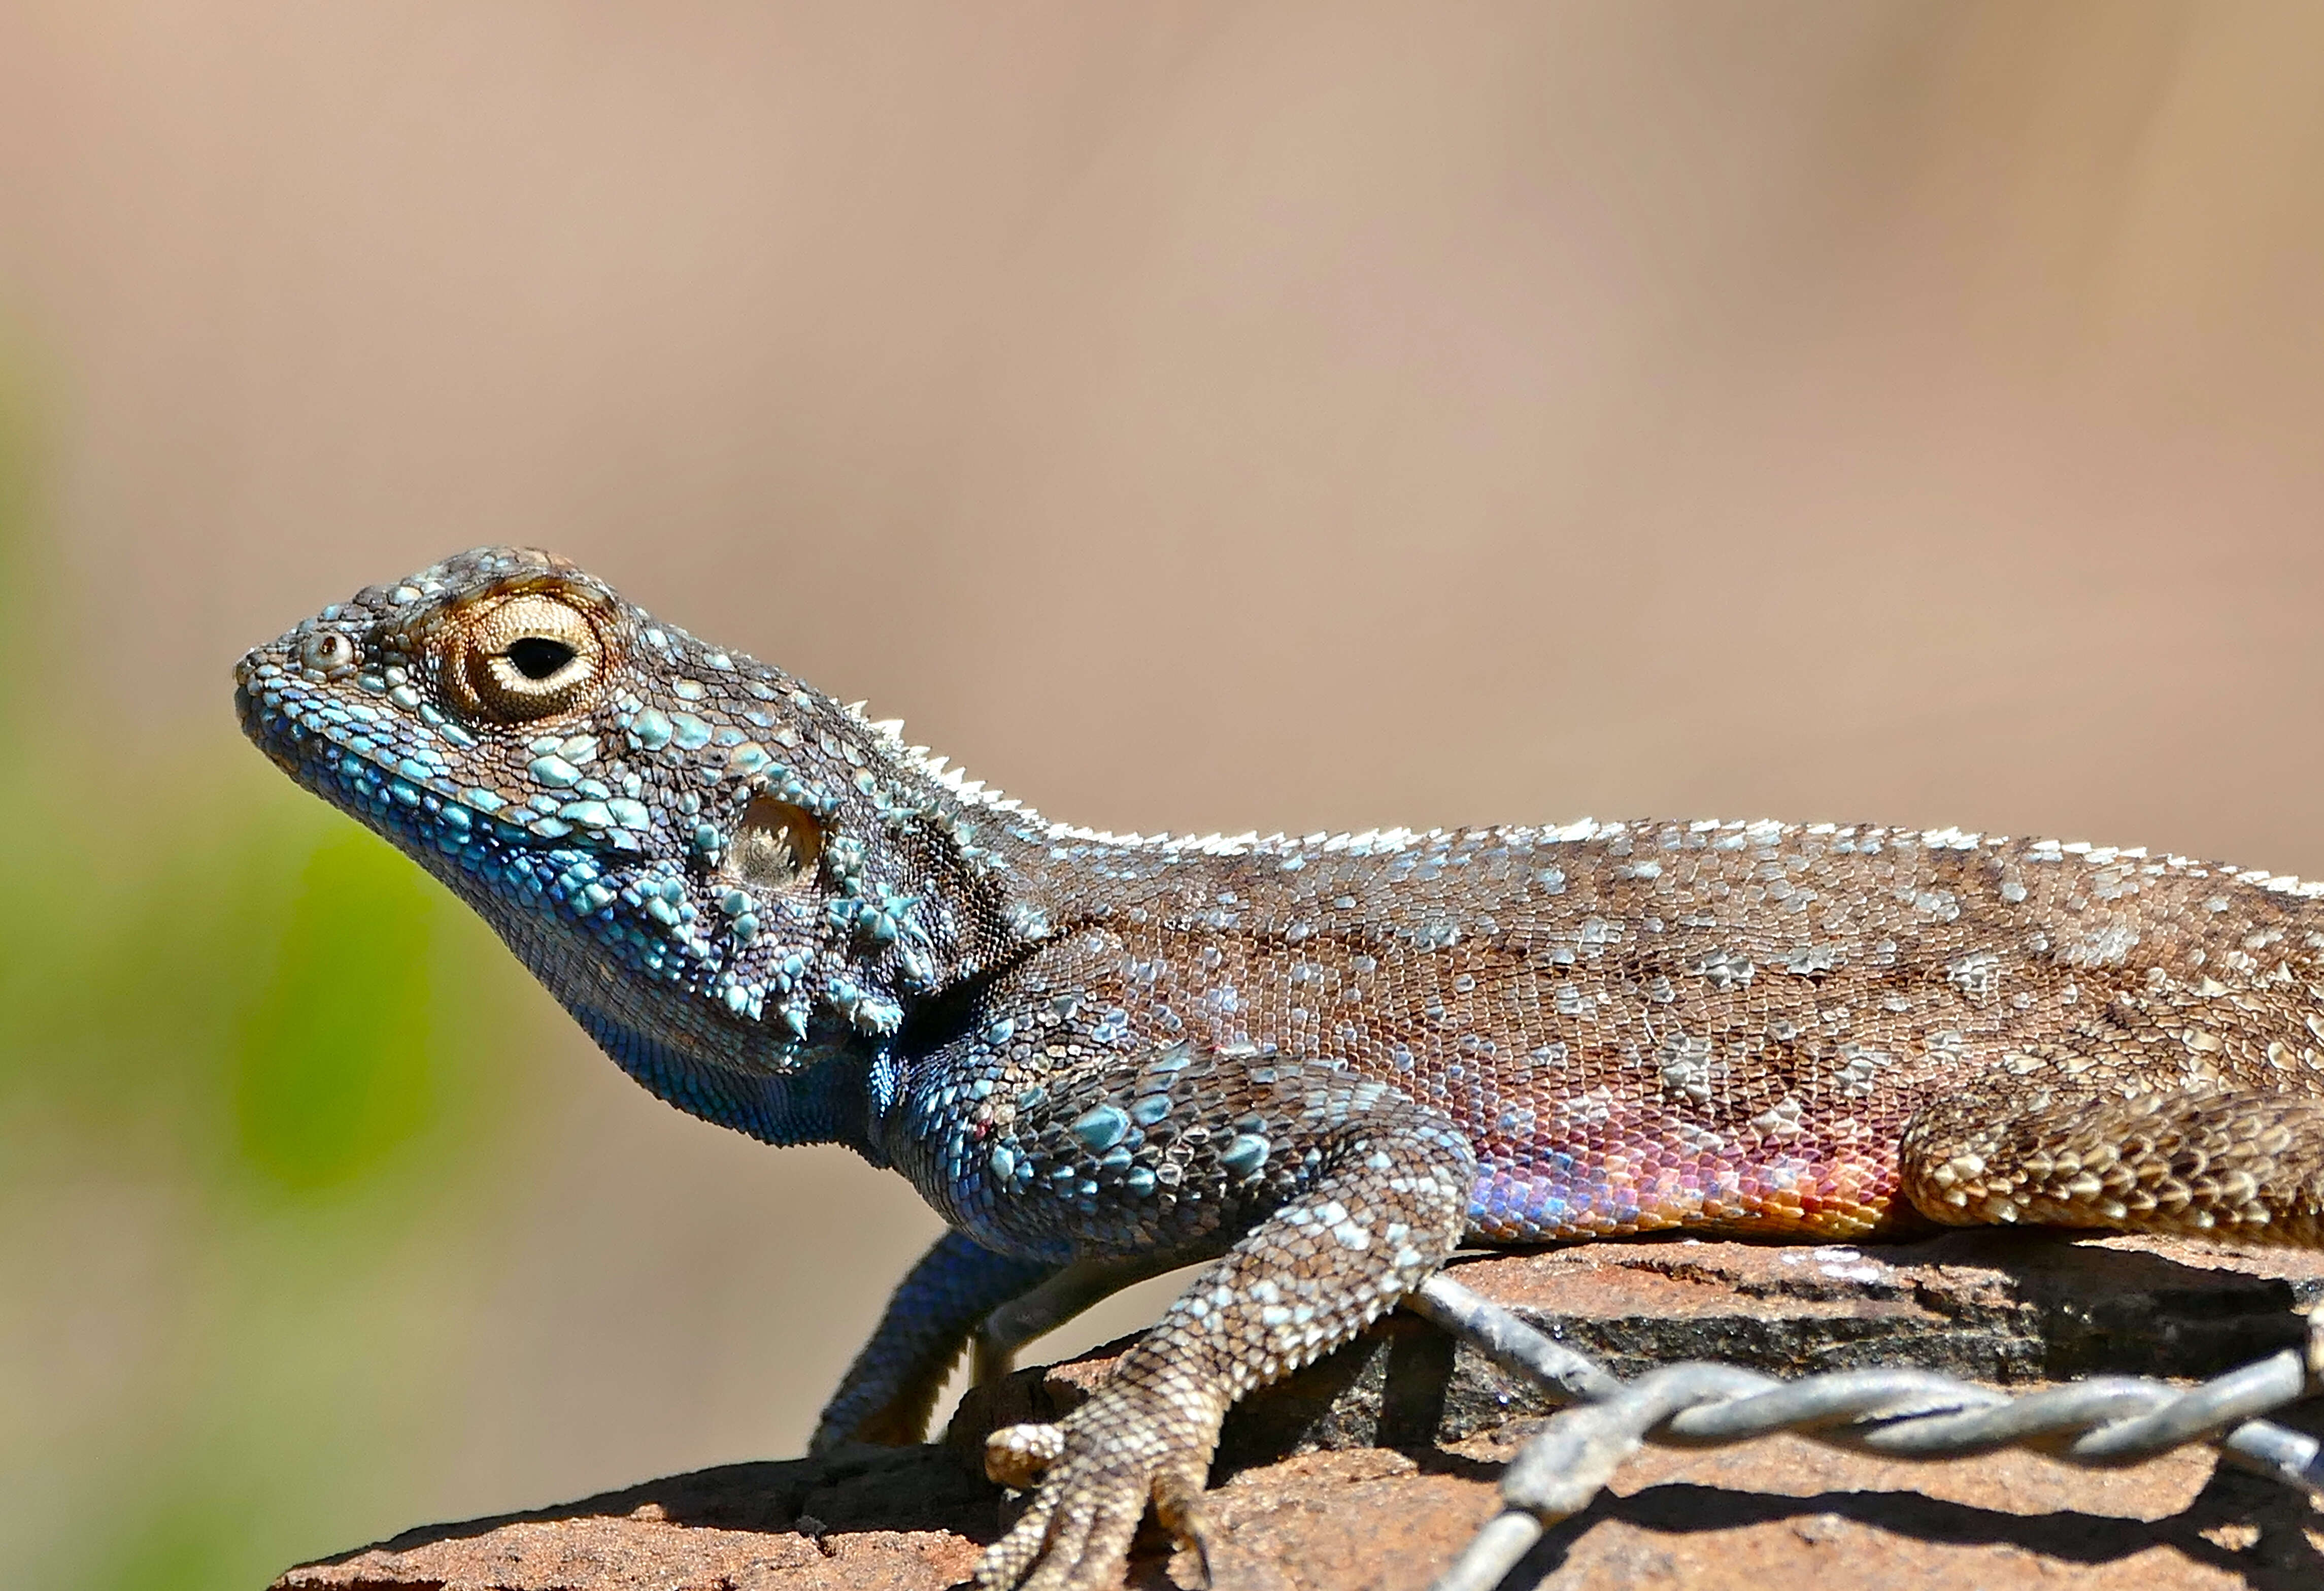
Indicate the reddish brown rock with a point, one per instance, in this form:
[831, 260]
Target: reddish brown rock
[1372, 1469]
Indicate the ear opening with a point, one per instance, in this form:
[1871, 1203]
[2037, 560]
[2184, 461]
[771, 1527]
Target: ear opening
[776, 846]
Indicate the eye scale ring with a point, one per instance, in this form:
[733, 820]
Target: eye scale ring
[522, 656]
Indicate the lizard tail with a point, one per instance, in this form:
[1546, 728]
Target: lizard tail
[2243, 1166]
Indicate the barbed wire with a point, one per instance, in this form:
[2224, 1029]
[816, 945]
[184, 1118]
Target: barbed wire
[2100, 1422]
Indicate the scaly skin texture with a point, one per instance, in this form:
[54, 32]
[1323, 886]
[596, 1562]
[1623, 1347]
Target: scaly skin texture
[1317, 1064]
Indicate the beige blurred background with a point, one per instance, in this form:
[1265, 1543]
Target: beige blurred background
[1189, 416]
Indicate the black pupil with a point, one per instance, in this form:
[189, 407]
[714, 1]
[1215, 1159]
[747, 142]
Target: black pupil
[537, 657]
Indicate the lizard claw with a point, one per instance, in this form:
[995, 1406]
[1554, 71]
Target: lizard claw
[1179, 1505]
[1097, 1470]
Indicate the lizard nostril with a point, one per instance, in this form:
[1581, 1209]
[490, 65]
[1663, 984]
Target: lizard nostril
[328, 652]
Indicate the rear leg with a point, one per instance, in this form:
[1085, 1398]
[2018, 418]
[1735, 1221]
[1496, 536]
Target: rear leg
[1064, 1294]
[2242, 1166]
[892, 1389]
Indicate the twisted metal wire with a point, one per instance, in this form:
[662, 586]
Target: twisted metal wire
[2103, 1421]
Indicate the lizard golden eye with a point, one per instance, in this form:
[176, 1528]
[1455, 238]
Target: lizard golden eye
[525, 657]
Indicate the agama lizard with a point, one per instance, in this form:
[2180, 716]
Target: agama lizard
[1319, 1065]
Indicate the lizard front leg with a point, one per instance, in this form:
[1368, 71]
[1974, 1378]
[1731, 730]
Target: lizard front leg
[890, 1389]
[1372, 1195]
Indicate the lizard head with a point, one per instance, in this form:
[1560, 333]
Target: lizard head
[644, 817]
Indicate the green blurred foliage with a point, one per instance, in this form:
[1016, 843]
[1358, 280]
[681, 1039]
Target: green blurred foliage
[256, 1086]
[332, 1076]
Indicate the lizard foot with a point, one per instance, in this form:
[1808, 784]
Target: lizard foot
[1096, 1470]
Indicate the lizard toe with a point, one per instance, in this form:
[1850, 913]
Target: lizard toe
[1063, 1542]
[1178, 1504]
[1098, 1470]
[1019, 1455]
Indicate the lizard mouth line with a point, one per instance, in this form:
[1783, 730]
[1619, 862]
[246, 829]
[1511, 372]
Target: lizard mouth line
[319, 762]
[271, 731]
[405, 789]
[298, 751]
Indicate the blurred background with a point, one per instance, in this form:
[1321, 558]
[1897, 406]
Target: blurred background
[1190, 416]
